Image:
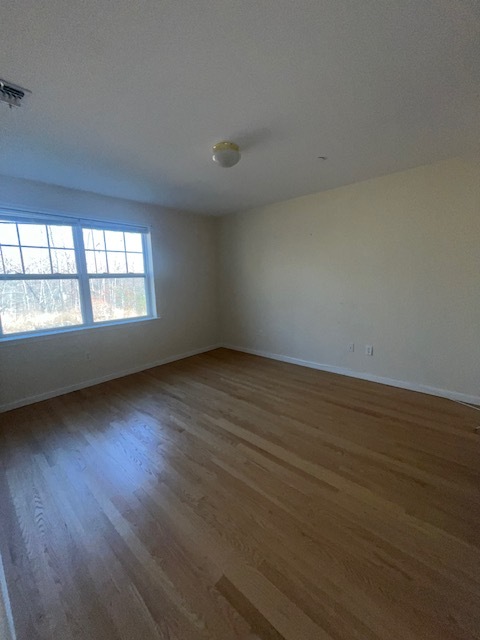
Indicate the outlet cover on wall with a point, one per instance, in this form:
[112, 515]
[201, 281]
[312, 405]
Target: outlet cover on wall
[369, 350]
[351, 347]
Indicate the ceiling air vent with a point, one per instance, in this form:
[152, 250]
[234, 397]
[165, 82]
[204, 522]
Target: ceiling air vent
[11, 93]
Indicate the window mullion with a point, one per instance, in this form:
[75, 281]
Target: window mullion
[85, 298]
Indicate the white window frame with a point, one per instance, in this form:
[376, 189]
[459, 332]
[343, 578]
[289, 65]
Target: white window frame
[82, 275]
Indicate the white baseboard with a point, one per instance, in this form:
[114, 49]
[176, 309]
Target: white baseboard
[434, 391]
[93, 381]
[411, 386]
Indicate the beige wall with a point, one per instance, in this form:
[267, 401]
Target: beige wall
[393, 262]
[185, 265]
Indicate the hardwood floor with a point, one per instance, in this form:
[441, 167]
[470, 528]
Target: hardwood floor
[227, 494]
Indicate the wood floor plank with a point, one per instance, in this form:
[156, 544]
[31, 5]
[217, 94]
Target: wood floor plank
[227, 495]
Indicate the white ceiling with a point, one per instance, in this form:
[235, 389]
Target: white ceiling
[129, 96]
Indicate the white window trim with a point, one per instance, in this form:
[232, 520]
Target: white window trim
[82, 275]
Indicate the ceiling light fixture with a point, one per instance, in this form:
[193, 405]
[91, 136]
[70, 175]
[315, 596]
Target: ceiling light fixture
[226, 154]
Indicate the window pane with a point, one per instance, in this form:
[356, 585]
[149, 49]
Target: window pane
[88, 238]
[12, 260]
[36, 260]
[63, 261]
[117, 298]
[116, 262]
[135, 262]
[93, 239]
[133, 242]
[114, 240]
[39, 304]
[60, 237]
[98, 240]
[96, 261]
[34, 235]
[8, 233]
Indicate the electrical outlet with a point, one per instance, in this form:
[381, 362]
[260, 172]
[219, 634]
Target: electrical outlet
[351, 347]
[369, 350]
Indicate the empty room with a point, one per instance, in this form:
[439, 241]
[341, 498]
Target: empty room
[239, 320]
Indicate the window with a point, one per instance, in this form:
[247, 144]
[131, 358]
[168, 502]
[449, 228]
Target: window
[57, 273]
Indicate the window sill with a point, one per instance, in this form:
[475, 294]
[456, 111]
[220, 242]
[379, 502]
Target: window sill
[52, 333]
